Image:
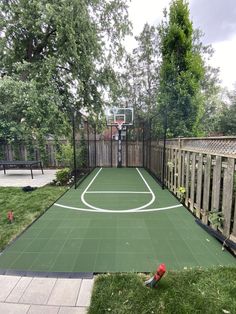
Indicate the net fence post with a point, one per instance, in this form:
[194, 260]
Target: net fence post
[95, 145]
[88, 144]
[119, 149]
[164, 151]
[74, 147]
[127, 148]
[111, 146]
[143, 147]
[150, 143]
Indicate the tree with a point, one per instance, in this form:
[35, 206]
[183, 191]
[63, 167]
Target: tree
[181, 73]
[52, 58]
[137, 82]
[227, 123]
[213, 102]
[211, 91]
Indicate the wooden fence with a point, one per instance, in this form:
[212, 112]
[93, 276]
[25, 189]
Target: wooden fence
[206, 168]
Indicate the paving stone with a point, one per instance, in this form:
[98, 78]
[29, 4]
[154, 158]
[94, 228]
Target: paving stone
[73, 310]
[65, 292]
[85, 292]
[19, 289]
[43, 309]
[13, 308]
[15, 177]
[38, 291]
[7, 283]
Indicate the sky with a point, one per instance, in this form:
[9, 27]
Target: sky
[215, 18]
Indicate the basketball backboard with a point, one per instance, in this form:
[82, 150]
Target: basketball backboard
[117, 116]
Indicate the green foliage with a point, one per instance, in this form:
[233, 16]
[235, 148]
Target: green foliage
[136, 84]
[227, 123]
[82, 153]
[65, 155]
[181, 193]
[63, 176]
[181, 73]
[216, 218]
[213, 102]
[178, 292]
[52, 59]
[26, 207]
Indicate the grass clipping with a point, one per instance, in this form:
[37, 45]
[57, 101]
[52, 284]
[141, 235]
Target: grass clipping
[190, 291]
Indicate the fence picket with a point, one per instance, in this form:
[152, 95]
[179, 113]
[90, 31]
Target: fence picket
[215, 204]
[228, 195]
[199, 186]
[187, 178]
[192, 191]
[206, 188]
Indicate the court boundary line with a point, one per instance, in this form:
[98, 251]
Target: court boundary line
[127, 210]
[116, 192]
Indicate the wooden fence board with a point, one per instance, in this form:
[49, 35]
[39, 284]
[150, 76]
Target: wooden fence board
[192, 191]
[175, 170]
[228, 195]
[215, 204]
[199, 186]
[179, 184]
[187, 178]
[168, 168]
[234, 218]
[183, 169]
[206, 188]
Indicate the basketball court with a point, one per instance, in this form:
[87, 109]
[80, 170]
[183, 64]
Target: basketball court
[118, 219]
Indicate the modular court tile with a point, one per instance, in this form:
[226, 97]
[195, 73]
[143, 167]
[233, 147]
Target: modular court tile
[113, 222]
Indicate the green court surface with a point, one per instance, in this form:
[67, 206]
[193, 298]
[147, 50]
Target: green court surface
[116, 220]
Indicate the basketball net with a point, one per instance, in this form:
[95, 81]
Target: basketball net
[119, 124]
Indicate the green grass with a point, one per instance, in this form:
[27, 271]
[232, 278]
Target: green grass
[27, 206]
[190, 291]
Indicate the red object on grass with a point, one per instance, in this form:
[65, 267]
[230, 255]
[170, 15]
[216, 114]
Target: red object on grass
[160, 272]
[152, 282]
[10, 216]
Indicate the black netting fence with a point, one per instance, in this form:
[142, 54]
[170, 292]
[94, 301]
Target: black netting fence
[90, 146]
[142, 145]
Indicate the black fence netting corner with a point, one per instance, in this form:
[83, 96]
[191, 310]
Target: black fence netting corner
[138, 147]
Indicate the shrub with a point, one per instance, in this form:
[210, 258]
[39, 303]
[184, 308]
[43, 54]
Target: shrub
[63, 176]
[65, 155]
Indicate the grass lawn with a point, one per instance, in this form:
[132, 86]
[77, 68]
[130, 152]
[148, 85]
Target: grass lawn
[27, 206]
[190, 291]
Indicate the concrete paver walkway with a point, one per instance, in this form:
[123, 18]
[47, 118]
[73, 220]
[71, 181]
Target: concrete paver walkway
[20, 178]
[44, 295]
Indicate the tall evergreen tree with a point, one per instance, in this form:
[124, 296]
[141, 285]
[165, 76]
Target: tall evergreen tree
[181, 72]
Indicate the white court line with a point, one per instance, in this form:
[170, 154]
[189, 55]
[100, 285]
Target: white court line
[118, 211]
[82, 196]
[116, 192]
[129, 210]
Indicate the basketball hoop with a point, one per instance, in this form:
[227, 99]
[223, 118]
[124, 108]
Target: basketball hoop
[119, 124]
[121, 118]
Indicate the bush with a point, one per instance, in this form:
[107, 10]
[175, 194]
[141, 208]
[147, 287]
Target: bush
[65, 155]
[63, 176]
